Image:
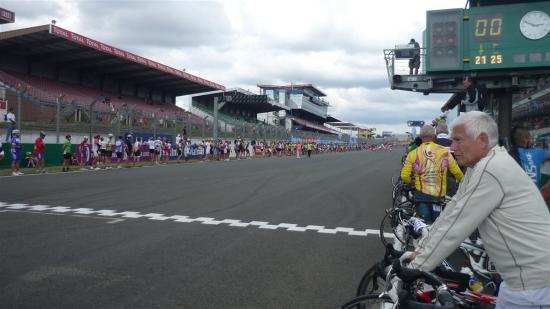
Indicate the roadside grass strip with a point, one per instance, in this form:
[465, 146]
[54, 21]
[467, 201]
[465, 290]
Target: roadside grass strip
[264, 225]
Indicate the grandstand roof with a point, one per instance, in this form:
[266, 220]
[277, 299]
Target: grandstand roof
[312, 125]
[344, 125]
[50, 43]
[292, 86]
[243, 99]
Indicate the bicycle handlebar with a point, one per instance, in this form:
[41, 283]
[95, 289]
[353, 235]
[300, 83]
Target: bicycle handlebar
[409, 275]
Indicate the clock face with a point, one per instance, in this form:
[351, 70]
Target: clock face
[535, 25]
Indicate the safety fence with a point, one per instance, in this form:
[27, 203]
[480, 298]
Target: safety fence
[58, 118]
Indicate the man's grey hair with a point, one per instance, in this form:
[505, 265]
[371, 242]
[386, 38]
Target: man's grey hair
[475, 123]
[441, 128]
[427, 131]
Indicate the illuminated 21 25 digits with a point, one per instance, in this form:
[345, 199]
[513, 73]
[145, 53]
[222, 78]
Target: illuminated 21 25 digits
[492, 59]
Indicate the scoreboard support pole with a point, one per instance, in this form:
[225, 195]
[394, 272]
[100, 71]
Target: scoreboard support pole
[504, 119]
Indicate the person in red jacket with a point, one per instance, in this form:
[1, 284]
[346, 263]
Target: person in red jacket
[39, 152]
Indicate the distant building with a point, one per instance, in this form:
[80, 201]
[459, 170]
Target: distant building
[307, 110]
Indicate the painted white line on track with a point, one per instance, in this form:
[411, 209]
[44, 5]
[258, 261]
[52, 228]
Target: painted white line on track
[115, 216]
[111, 221]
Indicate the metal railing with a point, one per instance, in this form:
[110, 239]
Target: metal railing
[58, 118]
[398, 60]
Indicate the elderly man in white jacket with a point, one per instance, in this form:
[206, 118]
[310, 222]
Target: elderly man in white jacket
[497, 197]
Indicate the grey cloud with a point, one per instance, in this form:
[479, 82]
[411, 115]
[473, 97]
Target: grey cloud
[159, 23]
[398, 107]
[42, 11]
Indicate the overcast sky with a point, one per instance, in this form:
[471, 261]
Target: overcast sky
[334, 44]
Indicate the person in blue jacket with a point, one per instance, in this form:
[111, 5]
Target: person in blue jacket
[528, 157]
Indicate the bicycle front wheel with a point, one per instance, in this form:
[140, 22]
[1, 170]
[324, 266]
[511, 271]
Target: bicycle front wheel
[373, 281]
[369, 301]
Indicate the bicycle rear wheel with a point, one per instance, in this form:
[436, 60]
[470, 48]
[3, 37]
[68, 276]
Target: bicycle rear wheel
[369, 301]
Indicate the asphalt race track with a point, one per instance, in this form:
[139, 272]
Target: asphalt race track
[263, 233]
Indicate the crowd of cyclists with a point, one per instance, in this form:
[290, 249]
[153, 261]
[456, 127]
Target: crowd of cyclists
[499, 208]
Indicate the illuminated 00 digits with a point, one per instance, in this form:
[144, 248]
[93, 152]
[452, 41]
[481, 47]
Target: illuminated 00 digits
[481, 27]
[496, 26]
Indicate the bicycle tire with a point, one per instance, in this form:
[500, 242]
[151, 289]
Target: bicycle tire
[402, 239]
[386, 227]
[369, 301]
[372, 282]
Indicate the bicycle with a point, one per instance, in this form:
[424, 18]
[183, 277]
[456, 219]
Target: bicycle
[405, 291]
[375, 283]
[408, 230]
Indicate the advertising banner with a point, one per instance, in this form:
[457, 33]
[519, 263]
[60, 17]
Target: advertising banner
[6, 16]
[3, 109]
[82, 40]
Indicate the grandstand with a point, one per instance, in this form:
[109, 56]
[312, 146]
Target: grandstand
[238, 115]
[95, 84]
[306, 110]
[240, 105]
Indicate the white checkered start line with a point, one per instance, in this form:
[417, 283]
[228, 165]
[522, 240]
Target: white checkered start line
[117, 216]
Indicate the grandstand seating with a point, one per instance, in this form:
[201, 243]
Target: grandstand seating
[311, 125]
[45, 89]
[230, 119]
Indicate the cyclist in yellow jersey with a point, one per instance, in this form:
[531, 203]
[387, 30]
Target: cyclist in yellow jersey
[429, 162]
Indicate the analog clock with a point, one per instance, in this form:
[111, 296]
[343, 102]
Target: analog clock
[535, 25]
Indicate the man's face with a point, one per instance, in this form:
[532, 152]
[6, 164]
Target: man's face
[468, 150]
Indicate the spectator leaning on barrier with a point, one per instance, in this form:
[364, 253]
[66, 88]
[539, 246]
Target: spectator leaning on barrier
[109, 151]
[95, 152]
[129, 147]
[39, 152]
[151, 145]
[502, 202]
[67, 153]
[136, 149]
[430, 163]
[119, 150]
[10, 124]
[15, 152]
[84, 150]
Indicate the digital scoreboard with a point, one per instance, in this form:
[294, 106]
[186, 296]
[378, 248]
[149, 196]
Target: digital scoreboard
[488, 37]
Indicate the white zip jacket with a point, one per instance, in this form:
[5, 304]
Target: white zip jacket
[497, 196]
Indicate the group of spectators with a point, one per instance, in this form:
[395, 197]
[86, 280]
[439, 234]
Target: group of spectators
[111, 151]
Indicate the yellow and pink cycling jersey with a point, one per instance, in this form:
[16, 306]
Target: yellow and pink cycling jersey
[430, 163]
